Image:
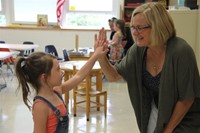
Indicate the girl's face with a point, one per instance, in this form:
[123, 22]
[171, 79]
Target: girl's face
[111, 25]
[116, 28]
[55, 78]
[140, 30]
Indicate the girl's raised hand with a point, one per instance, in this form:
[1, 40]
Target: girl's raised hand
[101, 43]
[101, 39]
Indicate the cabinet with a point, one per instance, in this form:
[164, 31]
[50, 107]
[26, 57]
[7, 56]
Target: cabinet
[130, 5]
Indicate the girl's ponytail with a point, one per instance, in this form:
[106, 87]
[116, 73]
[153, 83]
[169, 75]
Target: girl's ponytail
[23, 79]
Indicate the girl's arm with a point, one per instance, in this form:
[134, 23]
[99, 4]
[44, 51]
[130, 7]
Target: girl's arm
[40, 116]
[181, 108]
[82, 73]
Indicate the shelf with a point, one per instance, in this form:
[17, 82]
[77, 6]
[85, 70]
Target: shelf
[130, 7]
[133, 4]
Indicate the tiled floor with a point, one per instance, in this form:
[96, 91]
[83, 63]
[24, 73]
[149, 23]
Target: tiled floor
[16, 118]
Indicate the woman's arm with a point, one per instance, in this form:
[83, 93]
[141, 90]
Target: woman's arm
[109, 71]
[181, 108]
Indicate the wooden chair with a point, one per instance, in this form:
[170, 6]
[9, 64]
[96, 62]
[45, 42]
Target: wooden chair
[87, 95]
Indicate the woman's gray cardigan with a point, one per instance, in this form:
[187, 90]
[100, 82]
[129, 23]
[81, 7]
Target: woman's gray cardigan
[179, 81]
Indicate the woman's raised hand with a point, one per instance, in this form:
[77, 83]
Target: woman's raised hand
[101, 42]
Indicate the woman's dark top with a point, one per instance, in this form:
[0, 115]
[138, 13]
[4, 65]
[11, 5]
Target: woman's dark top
[150, 82]
[179, 81]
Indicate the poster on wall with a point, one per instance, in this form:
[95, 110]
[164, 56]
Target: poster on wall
[42, 20]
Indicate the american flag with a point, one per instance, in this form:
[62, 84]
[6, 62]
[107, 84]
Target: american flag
[59, 10]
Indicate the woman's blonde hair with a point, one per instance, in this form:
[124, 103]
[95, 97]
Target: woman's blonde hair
[161, 23]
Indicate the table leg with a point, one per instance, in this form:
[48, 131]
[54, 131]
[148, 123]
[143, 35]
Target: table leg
[4, 84]
[66, 93]
[98, 86]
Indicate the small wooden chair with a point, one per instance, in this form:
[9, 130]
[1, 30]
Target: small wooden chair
[87, 93]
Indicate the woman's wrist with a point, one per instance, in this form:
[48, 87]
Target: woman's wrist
[167, 129]
[102, 58]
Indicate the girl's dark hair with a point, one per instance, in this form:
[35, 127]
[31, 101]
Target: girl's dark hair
[28, 71]
[112, 19]
[121, 24]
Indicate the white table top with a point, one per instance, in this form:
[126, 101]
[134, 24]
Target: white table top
[19, 47]
[4, 55]
[68, 65]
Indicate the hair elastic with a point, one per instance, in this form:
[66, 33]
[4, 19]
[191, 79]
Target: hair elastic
[22, 64]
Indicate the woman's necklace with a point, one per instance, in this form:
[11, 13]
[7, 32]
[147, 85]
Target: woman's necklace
[155, 64]
[156, 67]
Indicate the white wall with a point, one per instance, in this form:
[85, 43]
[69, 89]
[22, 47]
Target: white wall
[60, 38]
[187, 25]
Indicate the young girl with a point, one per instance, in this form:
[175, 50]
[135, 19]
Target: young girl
[116, 49]
[42, 72]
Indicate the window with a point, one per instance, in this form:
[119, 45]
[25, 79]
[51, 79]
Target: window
[94, 5]
[79, 13]
[25, 11]
[0, 6]
[2, 16]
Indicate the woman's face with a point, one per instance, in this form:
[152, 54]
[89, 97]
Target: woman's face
[140, 30]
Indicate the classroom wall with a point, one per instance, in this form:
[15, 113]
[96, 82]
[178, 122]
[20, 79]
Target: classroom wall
[60, 38]
[187, 25]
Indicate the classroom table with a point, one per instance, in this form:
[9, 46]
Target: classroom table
[82, 54]
[4, 55]
[19, 47]
[68, 69]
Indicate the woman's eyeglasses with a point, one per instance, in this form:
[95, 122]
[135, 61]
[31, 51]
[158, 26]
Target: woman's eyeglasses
[139, 28]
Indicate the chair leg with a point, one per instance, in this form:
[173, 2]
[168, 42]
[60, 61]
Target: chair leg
[74, 95]
[88, 108]
[9, 67]
[105, 104]
[98, 101]
[4, 84]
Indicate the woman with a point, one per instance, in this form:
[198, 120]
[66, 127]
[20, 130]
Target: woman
[161, 73]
